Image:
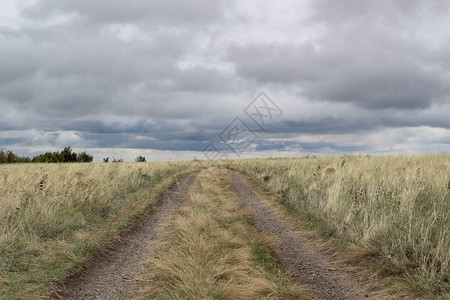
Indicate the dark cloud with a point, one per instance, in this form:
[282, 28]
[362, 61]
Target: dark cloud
[171, 75]
[345, 125]
[375, 55]
[115, 11]
[369, 73]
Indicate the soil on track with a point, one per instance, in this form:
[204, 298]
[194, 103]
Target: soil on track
[308, 266]
[113, 275]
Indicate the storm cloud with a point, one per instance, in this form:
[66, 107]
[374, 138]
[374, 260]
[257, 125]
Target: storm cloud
[169, 76]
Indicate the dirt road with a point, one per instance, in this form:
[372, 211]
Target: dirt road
[311, 268]
[114, 274]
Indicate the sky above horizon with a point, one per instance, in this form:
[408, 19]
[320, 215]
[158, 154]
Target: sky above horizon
[169, 79]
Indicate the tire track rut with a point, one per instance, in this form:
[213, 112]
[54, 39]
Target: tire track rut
[307, 266]
[114, 274]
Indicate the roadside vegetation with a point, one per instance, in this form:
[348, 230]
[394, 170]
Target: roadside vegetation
[54, 216]
[396, 208]
[209, 250]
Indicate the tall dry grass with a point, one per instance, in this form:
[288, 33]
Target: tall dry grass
[53, 216]
[210, 251]
[395, 207]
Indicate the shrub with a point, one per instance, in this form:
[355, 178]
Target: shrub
[140, 159]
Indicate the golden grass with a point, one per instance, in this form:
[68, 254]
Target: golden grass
[211, 251]
[53, 216]
[347, 257]
[395, 208]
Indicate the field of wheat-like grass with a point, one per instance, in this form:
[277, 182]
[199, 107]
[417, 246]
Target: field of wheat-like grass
[53, 216]
[395, 207]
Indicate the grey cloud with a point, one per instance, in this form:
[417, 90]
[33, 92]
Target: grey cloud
[316, 147]
[18, 59]
[61, 70]
[344, 12]
[372, 54]
[369, 74]
[345, 125]
[159, 74]
[204, 79]
[116, 11]
[89, 76]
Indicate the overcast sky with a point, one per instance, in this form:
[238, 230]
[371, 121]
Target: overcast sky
[165, 78]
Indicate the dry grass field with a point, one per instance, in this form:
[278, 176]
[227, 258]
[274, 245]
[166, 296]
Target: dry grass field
[396, 208]
[54, 216]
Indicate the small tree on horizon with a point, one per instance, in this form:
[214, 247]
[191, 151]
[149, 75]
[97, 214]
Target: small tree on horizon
[84, 157]
[140, 159]
[67, 155]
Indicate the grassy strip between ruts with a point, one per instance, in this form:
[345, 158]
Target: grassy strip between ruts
[209, 250]
[77, 215]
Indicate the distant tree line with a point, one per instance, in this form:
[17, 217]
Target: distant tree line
[65, 156]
